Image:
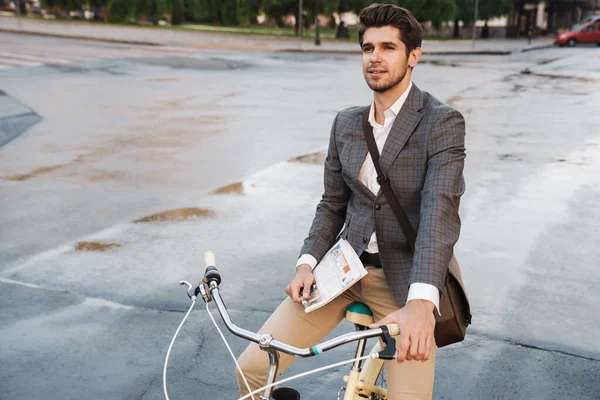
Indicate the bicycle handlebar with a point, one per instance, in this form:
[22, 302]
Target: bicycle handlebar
[212, 280]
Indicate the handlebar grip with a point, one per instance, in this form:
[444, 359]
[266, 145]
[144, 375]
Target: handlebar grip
[211, 274]
[209, 259]
[394, 329]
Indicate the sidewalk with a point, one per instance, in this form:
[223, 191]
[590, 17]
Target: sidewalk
[157, 36]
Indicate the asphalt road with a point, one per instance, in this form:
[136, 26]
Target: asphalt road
[129, 151]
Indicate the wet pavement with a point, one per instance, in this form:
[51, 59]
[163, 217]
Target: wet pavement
[143, 159]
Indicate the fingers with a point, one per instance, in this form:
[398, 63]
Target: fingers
[413, 348]
[404, 346]
[300, 281]
[295, 290]
[422, 349]
[428, 343]
[307, 285]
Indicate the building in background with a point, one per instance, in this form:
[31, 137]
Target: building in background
[548, 16]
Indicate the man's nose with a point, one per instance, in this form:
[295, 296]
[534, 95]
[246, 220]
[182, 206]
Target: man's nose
[375, 56]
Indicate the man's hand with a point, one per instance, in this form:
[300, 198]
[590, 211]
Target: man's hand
[417, 323]
[302, 280]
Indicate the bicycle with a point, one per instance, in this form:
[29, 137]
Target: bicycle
[366, 381]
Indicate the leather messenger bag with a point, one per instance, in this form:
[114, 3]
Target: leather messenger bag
[455, 310]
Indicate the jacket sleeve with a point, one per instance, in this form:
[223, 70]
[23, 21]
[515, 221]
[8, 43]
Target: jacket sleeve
[439, 225]
[331, 210]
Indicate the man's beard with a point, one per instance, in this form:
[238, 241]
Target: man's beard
[383, 86]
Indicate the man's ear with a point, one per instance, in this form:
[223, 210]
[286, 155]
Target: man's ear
[414, 57]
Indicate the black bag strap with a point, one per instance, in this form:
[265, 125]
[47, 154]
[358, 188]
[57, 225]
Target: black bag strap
[384, 182]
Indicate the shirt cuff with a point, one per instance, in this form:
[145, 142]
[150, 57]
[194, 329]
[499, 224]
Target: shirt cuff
[306, 259]
[424, 291]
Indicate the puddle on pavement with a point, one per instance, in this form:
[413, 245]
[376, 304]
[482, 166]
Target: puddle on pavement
[510, 157]
[182, 62]
[177, 215]
[81, 159]
[232, 188]
[34, 173]
[453, 100]
[313, 158]
[95, 246]
[162, 79]
[98, 175]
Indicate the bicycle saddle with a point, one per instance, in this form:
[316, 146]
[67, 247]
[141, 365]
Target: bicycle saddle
[360, 314]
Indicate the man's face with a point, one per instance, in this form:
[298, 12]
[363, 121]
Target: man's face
[385, 63]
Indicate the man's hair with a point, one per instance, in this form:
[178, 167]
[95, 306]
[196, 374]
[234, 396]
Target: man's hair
[380, 15]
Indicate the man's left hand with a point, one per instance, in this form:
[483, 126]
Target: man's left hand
[417, 323]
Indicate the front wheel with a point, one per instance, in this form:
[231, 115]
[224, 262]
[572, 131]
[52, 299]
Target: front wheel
[571, 42]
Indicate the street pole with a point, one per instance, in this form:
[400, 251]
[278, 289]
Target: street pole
[317, 27]
[475, 21]
[300, 23]
[300, 19]
[530, 30]
[19, 13]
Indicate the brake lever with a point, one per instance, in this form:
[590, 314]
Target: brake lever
[200, 289]
[389, 353]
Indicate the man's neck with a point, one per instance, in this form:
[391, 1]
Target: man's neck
[384, 100]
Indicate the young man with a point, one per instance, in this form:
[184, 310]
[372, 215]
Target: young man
[421, 142]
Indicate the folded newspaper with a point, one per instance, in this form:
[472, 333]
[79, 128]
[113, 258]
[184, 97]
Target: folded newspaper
[339, 269]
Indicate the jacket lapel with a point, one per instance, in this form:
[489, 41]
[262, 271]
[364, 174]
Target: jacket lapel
[404, 125]
[358, 153]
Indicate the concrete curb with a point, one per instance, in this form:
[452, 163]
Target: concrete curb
[431, 53]
[78, 37]
[526, 49]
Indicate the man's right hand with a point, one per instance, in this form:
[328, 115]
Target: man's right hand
[302, 280]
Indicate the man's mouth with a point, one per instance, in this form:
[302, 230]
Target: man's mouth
[376, 71]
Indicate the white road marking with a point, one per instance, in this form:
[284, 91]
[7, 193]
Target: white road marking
[39, 58]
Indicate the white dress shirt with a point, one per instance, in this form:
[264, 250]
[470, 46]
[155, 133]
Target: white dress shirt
[368, 176]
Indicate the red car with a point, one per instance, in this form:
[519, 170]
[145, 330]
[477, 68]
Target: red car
[588, 32]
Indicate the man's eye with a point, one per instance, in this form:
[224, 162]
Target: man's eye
[389, 48]
[367, 49]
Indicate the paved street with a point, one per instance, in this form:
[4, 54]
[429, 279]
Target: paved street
[121, 164]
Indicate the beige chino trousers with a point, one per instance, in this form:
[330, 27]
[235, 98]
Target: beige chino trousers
[290, 324]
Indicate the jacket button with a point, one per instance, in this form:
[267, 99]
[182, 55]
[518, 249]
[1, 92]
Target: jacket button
[378, 206]
[366, 240]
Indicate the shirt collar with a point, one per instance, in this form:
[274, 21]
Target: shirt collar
[394, 108]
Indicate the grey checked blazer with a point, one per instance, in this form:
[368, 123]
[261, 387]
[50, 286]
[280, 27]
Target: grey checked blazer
[423, 158]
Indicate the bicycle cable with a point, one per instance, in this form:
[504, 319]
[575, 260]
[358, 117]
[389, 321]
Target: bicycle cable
[314, 371]
[222, 337]
[171, 346]
[237, 365]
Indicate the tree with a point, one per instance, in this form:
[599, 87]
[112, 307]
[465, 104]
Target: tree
[225, 12]
[488, 9]
[62, 5]
[436, 11]
[177, 12]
